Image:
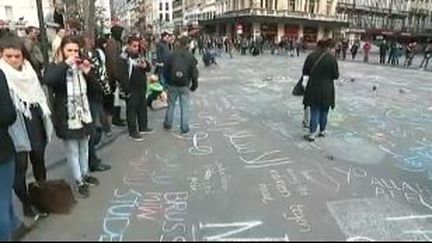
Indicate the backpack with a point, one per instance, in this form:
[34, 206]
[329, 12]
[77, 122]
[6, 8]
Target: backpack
[180, 70]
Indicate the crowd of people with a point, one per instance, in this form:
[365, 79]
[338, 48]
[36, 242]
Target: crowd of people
[390, 52]
[78, 96]
[80, 93]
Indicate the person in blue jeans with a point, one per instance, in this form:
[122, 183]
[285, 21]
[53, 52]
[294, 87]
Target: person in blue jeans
[7, 161]
[322, 68]
[181, 70]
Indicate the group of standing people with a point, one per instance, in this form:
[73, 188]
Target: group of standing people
[75, 96]
[389, 52]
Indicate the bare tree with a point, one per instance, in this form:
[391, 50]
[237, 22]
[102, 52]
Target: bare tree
[89, 14]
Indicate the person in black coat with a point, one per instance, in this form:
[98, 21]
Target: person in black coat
[7, 161]
[72, 81]
[322, 68]
[132, 74]
[162, 53]
[96, 99]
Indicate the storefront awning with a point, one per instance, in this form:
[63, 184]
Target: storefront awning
[275, 19]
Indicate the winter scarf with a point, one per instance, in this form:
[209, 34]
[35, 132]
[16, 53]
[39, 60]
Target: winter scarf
[26, 92]
[77, 102]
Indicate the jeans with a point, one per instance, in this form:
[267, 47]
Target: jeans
[136, 111]
[425, 62]
[162, 79]
[8, 220]
[77, 157]
[366, 57]
[37, 159]
[183, 94]
[318, 116]
[97, 112]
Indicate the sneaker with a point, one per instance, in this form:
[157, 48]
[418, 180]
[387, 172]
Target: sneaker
[147, 131]
[136, 137]
[186, 131]
[33, 213]
[100, 168]
[91, 181]
[322, 134]
[120, 123]
[83, 190]
[20, 232]
[310, 138]
[167, 127]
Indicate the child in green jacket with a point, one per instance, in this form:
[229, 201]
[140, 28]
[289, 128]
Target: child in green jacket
[156, 96]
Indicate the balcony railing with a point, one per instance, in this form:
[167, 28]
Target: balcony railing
[280, 13]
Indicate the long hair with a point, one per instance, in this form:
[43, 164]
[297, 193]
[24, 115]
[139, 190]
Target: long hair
[66, 40]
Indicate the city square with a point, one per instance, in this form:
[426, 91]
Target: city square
[245, 172]
[197, 120]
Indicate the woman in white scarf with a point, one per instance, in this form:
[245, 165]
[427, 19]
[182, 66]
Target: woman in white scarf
[71, 80]
[32, 130]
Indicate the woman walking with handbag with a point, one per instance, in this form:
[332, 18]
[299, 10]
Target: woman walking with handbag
[32, 130]
[71, 81]
[322, 68]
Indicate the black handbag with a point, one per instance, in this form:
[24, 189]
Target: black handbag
[298, 88]
[52, 196]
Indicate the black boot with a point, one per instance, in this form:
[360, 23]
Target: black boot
[116, 120]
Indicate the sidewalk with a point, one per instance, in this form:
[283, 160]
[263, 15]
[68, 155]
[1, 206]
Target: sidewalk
[57, 169]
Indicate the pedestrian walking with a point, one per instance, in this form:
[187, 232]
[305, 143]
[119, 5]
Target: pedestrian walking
[427, 55]
[354, 50]
[183, 78]
[409, 54]
[322, 68]
[244, 46]
[338, 49]
[366, 49]
[345, 46]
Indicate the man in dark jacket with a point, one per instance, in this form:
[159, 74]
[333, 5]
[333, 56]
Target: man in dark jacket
[132, 74]
[162, 53]
[427, 55]
[322, 68]
[113, 51]
[181, 70]
[96, 105]
[383, 51]
[7, 162]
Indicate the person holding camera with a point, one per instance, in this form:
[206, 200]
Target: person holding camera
[72, 81]
[132, 73]
[181, 70]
